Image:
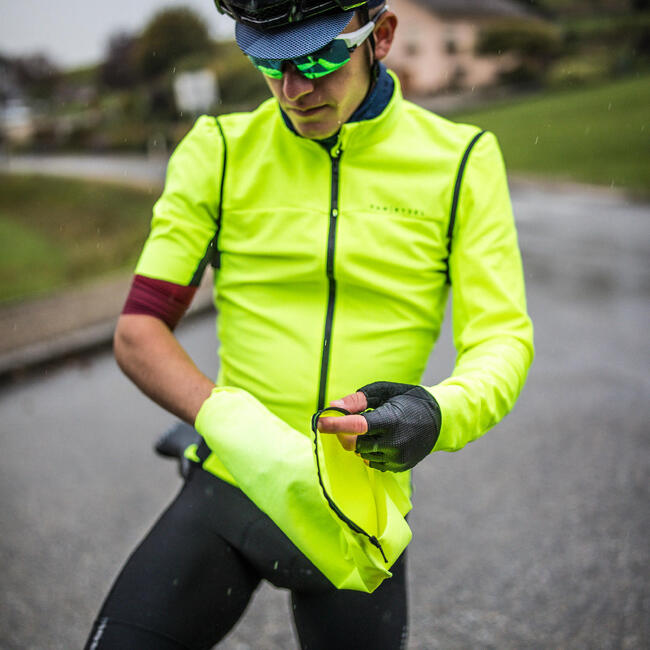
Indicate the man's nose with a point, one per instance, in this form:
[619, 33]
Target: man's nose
[295, 85]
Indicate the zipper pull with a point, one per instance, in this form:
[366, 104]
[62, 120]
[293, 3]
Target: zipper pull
[337, 149]
[375, 542]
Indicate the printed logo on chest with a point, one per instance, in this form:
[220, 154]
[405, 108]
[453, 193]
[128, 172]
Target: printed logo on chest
[395, 209]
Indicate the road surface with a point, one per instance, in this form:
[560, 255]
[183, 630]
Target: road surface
[535, 536]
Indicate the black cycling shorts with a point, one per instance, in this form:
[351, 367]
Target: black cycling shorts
[189, 581]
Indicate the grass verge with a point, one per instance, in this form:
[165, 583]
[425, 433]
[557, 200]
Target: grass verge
[57, 232]
[595, 135]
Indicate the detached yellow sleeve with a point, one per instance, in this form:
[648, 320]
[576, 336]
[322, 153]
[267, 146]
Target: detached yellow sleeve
[493, 334]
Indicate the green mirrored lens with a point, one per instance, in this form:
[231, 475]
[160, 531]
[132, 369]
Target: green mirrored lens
[332, 57]
[269, 67]
[319, 68]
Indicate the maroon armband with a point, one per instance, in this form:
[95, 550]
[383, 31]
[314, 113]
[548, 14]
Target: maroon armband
[164, 300]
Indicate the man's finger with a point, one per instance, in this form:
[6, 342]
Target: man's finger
[382, 467]
[375, 456]
[348, 441]
[355, 403]
[355, 424]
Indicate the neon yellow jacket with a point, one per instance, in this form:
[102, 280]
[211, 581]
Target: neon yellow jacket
[333, 267]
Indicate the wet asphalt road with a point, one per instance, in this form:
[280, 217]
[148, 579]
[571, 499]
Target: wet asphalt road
[535, 536]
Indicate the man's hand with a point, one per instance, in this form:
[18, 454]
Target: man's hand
[395, 436]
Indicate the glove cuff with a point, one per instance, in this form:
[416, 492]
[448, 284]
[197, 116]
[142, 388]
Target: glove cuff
[436, 413]
[380, 391]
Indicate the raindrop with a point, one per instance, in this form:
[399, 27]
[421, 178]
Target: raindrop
[229, 591]
[536, 139]
[275, 566]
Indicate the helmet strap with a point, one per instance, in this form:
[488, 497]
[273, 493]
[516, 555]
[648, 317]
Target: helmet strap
[374, 64]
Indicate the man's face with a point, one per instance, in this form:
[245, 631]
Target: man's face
[318, 107]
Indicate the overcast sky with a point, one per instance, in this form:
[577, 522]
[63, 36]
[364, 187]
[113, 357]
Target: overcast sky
[75, 32]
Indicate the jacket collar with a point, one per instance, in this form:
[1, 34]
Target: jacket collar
[371, 121]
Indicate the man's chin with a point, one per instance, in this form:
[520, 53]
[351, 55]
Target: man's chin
[315, 130]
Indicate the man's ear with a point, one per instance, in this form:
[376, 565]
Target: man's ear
[384, 34]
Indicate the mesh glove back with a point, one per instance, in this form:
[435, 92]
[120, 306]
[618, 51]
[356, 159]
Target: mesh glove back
[402, 428]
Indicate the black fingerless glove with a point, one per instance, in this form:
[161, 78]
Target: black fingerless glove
[402, 428]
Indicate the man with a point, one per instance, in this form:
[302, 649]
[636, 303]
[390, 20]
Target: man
[336, 216]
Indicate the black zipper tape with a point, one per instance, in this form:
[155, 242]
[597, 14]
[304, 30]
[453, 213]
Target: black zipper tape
[339, 513]
[331, 299]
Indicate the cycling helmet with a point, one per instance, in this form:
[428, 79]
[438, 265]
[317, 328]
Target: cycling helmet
[271, 14]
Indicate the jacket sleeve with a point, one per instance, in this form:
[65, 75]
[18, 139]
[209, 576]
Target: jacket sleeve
[185, 217]
[492, 331]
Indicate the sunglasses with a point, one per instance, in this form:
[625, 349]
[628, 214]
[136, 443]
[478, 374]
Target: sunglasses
[323, 62]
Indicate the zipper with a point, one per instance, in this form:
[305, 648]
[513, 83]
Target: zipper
[335, 158]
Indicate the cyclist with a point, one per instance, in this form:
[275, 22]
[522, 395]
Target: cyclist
[336, 215]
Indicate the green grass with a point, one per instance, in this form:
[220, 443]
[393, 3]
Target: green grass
[595, 135]
[56, 232]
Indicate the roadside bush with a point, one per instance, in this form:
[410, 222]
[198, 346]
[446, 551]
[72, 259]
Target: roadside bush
[579, 70]
[631, 30]
[126, 136]
[45, 137]
[534, 43]
[162, 104]
[531, 39]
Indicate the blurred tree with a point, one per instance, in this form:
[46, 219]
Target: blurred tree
[536, 6]
[529, 39]
[171, 35]
[162, 104]
[37, 75]
[564, 8]
[535, 43]
[241, 85]
[8, 81]
[119, 69]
